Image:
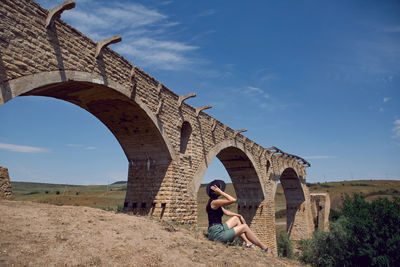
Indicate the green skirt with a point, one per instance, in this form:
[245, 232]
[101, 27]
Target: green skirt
[221, 232]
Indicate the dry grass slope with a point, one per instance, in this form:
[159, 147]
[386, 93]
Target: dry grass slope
[111, 197]
[41, 235]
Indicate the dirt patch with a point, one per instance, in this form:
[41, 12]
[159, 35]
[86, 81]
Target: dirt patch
[42, 235]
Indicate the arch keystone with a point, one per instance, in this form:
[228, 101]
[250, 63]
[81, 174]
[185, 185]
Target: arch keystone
[102, 44]
[55, 13]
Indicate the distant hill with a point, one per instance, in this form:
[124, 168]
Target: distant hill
[120, 182]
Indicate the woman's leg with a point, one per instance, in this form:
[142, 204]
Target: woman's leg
[233, 222]
[245, 229]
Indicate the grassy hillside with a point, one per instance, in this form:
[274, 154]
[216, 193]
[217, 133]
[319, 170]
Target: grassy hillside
[96, 196]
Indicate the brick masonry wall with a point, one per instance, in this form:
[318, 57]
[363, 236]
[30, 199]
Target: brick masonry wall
[145, 117]
[320, 208]
[5, 186]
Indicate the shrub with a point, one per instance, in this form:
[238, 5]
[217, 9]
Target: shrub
[46, 192]
[334, 215]
[374, 230]
[366, 234]
[326, 248]
[32, 193]
[285, 247]
[120, 208]
[57, 192]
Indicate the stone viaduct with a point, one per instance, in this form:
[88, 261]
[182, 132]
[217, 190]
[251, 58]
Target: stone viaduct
[168, 143]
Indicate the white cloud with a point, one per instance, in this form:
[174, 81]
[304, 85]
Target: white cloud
[396, 128]
[81, 146]
[251, 89]
[146, 32]
[255, 91]
[320, 157]
[167, 45]
[23, 149]
[386, 99]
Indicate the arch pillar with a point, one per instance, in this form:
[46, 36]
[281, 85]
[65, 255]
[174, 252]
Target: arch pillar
[299, 222]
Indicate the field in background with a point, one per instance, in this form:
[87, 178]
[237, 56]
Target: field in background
[96, 196]
[112, 197]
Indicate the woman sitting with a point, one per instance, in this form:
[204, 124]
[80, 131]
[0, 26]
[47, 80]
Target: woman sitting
[233, 227]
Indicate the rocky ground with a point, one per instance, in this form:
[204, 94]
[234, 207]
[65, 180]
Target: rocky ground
[33, 234]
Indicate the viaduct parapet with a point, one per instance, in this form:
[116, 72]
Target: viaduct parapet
[168, 144]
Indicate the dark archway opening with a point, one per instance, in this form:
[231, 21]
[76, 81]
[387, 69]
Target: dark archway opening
[290, 186]
[186, 131]
[141, 141]
[245, 186]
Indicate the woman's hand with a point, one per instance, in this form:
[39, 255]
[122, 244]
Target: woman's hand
[216, 189]
[241, 218]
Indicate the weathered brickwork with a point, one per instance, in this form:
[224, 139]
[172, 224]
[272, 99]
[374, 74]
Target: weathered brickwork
[146, 117]
[5, 186]
[320, 207]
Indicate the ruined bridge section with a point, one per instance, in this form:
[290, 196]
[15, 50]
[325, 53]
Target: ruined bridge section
[168, 143]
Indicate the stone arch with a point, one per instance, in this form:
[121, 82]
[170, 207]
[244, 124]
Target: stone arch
[47, 83]
[241, 167]
[140, 134]
[246, 179]
[186, 132]
[194, 185]
[295, 200]
[267, 166]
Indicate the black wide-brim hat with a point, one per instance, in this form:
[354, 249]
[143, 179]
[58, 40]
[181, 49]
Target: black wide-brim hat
[219, 183]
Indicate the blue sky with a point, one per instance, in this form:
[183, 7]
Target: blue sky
[320, 79]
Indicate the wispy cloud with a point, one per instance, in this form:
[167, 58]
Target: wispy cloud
[386, 99]
[146, 32]
[81, 146]
[396, 128]
[206, 13]
[251, 90]
[320, 157]
[22, 149]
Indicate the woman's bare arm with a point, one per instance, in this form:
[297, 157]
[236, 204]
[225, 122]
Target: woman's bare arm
[231, 214]
[215, 204]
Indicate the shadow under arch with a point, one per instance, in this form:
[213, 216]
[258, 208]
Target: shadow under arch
[241, 168]
[138, 131]
[294, 196]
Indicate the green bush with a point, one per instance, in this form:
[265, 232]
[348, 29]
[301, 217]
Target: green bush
[285, 247]
[120, 208]
[326, 248]
[366, 234]
[374, 230]
[334, 215]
